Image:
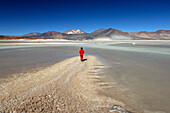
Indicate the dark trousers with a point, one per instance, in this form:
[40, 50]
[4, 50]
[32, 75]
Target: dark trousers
[81, 57]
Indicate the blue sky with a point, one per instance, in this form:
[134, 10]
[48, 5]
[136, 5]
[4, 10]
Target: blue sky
[18, 17]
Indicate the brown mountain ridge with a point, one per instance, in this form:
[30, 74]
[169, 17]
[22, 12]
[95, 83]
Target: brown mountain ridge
[101, 34]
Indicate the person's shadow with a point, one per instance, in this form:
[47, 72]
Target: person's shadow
[84, 60]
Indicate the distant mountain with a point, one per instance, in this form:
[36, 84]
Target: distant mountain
[52, 34]
[158, 35]
[32, 34]
[49, 34]
[75, 31]
[108, 34]
[2, 36]
[14, 37]
[101, 34]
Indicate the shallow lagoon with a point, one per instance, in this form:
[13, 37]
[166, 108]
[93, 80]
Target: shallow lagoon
[137, 74]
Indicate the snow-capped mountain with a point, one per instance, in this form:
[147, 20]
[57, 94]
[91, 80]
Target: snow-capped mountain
[75, 31]
[102, 34]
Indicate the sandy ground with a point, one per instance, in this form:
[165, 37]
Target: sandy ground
[68, 86]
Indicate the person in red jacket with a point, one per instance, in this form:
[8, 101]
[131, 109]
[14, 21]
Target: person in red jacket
[81, 53]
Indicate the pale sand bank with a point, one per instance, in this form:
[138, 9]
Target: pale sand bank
[68, 86]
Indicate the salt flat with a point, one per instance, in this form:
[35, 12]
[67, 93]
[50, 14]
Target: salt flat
[136, 74]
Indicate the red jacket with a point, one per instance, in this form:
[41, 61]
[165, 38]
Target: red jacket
[81, 52]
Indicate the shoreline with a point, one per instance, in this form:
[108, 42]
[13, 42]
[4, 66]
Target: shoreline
[67, 86]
